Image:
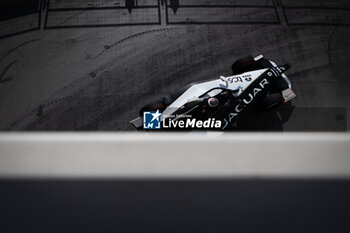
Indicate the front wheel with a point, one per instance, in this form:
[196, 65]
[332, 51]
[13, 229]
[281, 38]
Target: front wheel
[272, 101]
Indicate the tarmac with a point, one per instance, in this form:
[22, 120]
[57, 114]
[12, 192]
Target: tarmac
[92, 67]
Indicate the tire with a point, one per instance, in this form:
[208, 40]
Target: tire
[279, 85]
[243, 65]
[152, 107]
[272, 101]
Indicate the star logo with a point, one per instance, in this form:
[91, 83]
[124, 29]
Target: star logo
[152, 120]
[156, 116]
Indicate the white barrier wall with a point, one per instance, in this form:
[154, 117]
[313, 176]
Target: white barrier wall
[97, 155]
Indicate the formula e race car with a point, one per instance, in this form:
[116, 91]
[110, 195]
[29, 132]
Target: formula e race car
[257, 81]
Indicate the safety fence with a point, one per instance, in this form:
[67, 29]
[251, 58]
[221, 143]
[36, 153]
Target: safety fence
[221, 12]
[316, 12]
[22, 16]
[19, 18]
[88, 13]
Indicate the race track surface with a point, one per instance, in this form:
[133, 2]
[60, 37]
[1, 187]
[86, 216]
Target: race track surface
[91, 65]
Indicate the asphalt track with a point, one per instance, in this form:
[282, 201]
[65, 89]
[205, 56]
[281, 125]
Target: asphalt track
[94, 69]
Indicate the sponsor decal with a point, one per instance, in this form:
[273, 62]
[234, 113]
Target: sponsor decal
[245, 101]
[240, 79]
[235, 80]
[247, 77]
[288, 95]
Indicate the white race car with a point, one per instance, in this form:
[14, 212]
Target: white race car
[256, 81]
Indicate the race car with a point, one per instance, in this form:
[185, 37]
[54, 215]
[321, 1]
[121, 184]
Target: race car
[255, 81]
